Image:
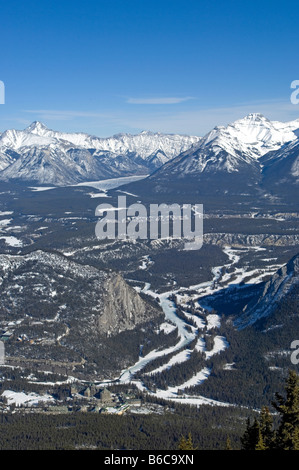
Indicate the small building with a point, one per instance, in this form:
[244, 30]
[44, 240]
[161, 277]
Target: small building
[83, 409]
[87, 392]
[134, 402]
[105, 396]
[6, 335]
[57, 409]
[73, 389]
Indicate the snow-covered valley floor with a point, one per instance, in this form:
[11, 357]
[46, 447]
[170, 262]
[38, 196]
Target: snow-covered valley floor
[205, 321]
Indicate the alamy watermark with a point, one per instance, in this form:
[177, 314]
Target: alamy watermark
[2, 92]
[2, 353]
[295, 94]
[295, 354]
[163, 221]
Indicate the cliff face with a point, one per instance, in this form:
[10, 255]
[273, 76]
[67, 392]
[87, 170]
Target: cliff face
[241, 240]
[69, 315]
[276, 289]
[49, 289]
[123, 307]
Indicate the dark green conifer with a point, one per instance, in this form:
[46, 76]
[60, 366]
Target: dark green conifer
[260, 445]
[228, 445]
[288, 407]
[266, 426]
[251, 436]
[186, 443]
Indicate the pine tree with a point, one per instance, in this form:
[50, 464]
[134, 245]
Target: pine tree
[251, 436]
[288, 407]
[186, 443]
[260, 445]
[228, 445]
[246, 438]
[259, 435]
[266, 426]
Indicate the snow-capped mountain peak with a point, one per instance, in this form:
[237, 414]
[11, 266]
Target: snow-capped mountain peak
[40, 154]
[254, 136]
[237, 149]
[37, 127]
[16, 139]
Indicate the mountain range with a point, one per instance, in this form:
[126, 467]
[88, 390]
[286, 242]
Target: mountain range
[251, 156]
[252, 159]
[229, 149]
[42, 155]
[113, 306]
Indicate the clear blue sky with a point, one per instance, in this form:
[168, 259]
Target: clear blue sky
[182, 66]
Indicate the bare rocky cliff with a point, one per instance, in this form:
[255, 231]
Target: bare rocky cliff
[48, 296]
[279, 286]
[123, 307]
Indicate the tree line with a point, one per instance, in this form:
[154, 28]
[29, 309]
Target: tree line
[261, 433]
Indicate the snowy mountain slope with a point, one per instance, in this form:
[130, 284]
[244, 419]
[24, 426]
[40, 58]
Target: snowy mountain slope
[59, 166]
[227, 167]
[7, 158]
[283, 165]
[228, 149]
[236, 154]
[46, 156]
[146, 144]
[280, 173]
[275, 290]
[253, 135]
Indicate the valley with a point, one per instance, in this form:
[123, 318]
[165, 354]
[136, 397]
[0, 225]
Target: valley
[191, 320]
[149, 229]
[155, 325]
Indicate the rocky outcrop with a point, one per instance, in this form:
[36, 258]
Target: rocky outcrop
[241, 240]
[51, 290]
[279, 286]
[123, 307]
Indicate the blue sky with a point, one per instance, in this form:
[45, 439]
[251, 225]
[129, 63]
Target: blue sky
[178, 66]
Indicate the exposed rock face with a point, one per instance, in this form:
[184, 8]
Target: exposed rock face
[49, 289]
[279, 286]
[239, 239]
[123, 307]
[44, 156]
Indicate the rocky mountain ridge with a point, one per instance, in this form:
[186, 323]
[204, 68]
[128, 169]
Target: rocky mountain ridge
[50, 157]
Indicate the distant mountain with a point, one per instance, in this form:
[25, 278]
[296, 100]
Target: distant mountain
[275, 292]
[232, 161]
[251, 159]
[41, 155]
[229, 149]
[281, 172]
